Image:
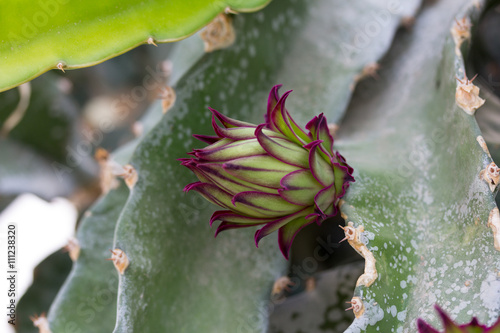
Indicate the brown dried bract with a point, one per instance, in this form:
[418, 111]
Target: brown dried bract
[129, 175]
[108, 170]
[218, 34]
[120, 260]
[73, 249]
[370, 70]
[280, 285]
[461, 31]
[494, 224]
[310, 284]
[333, 128]
[41, 323]
[168, 98]
[137, 129]
[408, 22]
[467, 95]
[352, 235]
[483, 145]
[491, 175]
[357, 306]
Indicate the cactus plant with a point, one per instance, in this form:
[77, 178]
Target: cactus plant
[421, 212]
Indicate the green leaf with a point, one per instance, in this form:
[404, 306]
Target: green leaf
[38, 36]
[49, 154]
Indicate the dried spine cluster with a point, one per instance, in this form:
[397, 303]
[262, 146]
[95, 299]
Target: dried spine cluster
[352, 235]
[357, 306]
[494, 224]
[218, 34]
[41, 323]
[467, 95]
[491, 175]
[120, 260]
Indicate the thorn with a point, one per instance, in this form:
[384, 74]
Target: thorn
[343, 239]
[228, 10]
[352, 307]
[61, 66]
[471, 80]
[151, 41]
[456, 77]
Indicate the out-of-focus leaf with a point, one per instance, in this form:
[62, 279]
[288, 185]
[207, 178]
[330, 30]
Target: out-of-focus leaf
[48, 277]
[38, 36]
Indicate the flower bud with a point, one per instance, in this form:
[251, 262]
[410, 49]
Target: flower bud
[274, 174]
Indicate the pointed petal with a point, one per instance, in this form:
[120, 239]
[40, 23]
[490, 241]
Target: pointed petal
[232, 217]
[278, 223]
[423, 327]
[297, 129]
[287, 233]
[222, 142]
[227, 225]
[320, 169]
[342, 179]
[324, 134]
[282, 149]
[281, 121]
[192, 165]
[263, 170]
[264, 204]
[217, 175]
[241, 133]
[324, 199]
[448, 324]
[318, 130]
[271, 103]
[234, 133]
[229, 122]
[212, 193]
[299, 187]
[230, 151]
[210, 139]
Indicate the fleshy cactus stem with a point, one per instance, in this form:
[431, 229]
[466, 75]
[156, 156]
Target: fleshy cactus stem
[275, 174]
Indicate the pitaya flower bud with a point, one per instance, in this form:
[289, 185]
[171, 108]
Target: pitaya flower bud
[274, 174]
[452, 327]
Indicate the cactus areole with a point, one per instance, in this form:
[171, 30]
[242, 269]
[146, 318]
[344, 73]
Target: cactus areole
[275, 174]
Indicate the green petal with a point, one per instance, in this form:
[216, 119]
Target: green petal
[283, 149]
[216, 175]
[287, 234]
[320, 169]
[264, 204]
[231, 151]
[263, 170]
[299, 187]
